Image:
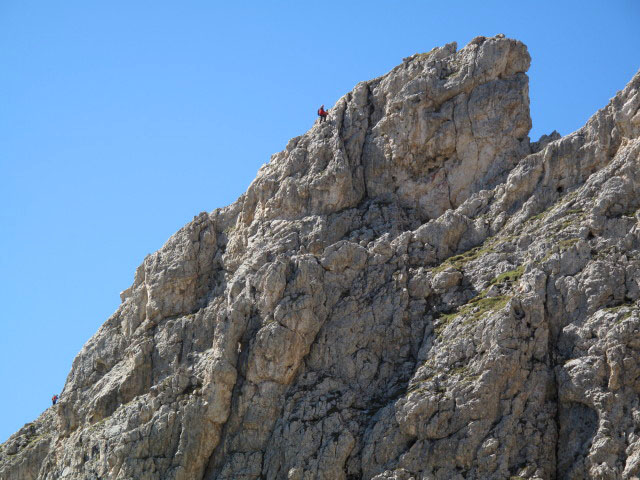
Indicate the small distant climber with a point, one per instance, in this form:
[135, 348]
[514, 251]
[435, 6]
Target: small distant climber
[322, 113]
[54, 399]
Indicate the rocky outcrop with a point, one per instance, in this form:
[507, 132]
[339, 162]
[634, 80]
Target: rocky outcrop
[410, 290]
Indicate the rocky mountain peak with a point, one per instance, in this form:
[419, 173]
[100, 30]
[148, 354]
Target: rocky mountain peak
[409, 290]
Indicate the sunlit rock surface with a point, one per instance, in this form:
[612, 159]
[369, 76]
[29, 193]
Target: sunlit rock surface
[410, 290]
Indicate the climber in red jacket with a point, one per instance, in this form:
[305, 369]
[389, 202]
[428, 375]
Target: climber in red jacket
[54, 399]
[322, 113]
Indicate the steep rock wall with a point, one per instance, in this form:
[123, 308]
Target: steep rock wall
[409, 290]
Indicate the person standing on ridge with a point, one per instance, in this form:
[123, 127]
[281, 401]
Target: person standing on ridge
[54, 399]
[322, 113]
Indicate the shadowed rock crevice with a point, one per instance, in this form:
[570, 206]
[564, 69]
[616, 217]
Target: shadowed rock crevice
[577, 426]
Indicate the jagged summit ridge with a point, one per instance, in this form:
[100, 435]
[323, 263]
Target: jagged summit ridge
[409, 290]
[399, 135]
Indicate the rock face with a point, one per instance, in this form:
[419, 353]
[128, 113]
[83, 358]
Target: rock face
[410, 290]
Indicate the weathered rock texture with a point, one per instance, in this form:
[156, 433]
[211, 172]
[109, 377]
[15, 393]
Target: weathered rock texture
[411, 290]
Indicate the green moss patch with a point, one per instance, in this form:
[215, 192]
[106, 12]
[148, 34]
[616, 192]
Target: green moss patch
[459, 261]
[574, 211]
[560, 247]
[540, 215]
[474, 310]
[618, 308]
[424, 56]
[481, 303]
[509, 277]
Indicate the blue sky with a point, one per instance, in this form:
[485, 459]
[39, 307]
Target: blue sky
[120, 121]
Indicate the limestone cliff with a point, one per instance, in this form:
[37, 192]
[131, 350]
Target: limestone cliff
[410, 290]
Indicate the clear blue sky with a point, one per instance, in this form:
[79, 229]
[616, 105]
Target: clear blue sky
[120, 121]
